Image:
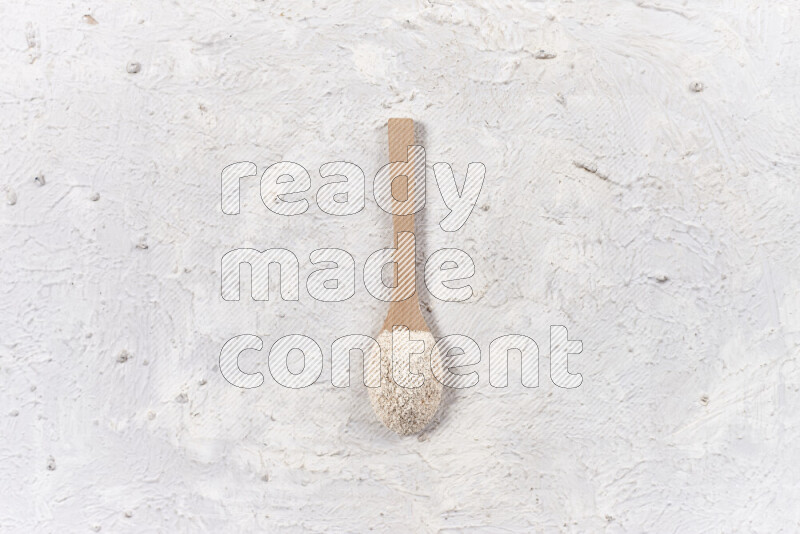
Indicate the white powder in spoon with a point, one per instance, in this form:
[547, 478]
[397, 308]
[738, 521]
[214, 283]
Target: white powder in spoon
[409, 394]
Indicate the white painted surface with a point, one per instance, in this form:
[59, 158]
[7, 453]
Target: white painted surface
[688, 416]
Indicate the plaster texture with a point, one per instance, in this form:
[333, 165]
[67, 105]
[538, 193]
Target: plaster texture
[641, 189]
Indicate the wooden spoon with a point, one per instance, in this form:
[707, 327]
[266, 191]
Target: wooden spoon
[400, 402]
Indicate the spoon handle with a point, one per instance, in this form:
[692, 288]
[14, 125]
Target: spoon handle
[401, 136]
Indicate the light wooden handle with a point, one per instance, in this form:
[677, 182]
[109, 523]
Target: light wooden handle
[401, 136]
[404, 310]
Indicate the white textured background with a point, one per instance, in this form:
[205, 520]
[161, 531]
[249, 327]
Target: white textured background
[677, 263]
